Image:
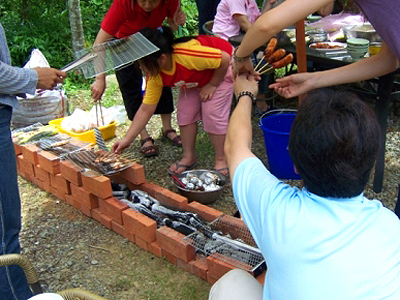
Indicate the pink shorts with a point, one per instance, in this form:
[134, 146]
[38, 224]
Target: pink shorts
[214, 112]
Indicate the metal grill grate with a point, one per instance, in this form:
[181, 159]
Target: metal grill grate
[95, 163]
[231, 243]
[61, 144]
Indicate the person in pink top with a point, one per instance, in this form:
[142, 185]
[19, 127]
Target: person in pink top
[233, 16]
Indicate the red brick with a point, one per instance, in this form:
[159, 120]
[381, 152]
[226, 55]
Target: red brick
[99, 186]
[129, 220]
[53, 190]
[129, 236]
[86, 211]
[118, 228]
[70, 172]
[60, 195]
[96, 213]
[49, 162]
[261, 278]
[199, 267]
[85, 198]
[30, 153]
[211, 279]
[141, 243]
[134, 174]
[29, 177]
[171, 241]
[41, 174]
[76, 204]
[182, 265]
[38, 182]
[217, 268]
[113, 208]
[207, 213]
[69, 199]
[105, 221]
[60, 183]
[155, 249]
[25, 166]
[169, 256]
[145, 228]
[148, 187]
[47, 187]
[17, 149]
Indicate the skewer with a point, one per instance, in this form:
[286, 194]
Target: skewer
[267, 70]
[259, 63]
[263, 68]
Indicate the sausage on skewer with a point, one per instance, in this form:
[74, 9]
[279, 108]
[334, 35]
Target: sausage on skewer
[277, 55]
[283, 62]
[273, 42]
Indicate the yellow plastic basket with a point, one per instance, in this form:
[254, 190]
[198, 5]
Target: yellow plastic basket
[107, 131]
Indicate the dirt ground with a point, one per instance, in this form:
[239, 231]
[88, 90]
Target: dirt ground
[71, 250]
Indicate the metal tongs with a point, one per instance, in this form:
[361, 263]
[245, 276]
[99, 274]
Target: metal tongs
[98, 107]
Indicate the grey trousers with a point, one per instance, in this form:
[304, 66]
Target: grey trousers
[236, 285]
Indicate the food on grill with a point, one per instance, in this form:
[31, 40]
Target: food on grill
[325, 46]
[59, 143]
[283, 62]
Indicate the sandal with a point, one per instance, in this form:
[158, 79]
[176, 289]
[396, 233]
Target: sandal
[149, 150]
[176, 141]
[181, 166]
[223, 171]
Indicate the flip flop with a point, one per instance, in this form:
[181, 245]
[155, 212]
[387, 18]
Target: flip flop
[148, 151]
[223, 171]
[181, 166]
[176, 141]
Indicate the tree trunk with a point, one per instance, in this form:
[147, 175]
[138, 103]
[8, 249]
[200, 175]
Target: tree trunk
[75, 22]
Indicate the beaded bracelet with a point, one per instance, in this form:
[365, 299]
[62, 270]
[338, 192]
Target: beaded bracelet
[246, 93]
[239, 59]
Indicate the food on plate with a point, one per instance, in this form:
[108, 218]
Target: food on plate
[325, 46]
[283, 62]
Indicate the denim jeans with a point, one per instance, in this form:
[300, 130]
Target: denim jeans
[13, 284]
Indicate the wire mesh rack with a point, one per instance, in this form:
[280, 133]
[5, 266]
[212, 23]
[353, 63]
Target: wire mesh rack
[230, 241]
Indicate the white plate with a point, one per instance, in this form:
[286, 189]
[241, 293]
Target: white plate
[334, 46]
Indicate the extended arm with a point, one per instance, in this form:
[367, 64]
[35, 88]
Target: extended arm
[382, 63]
[243, 21]
[270, 23]
[239, 134]
[139, 122]
[99, 85]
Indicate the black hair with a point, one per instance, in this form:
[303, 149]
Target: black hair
[333, 143]
[163, 37]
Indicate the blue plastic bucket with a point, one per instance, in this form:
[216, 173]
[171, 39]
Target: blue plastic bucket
[276, 125]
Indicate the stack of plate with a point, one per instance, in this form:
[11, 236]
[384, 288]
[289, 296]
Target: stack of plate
[357, 48]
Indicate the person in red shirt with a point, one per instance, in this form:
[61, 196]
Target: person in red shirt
[201, 67]
[124, 18]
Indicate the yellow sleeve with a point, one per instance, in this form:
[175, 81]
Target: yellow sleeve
[154, 87]
[194, 56]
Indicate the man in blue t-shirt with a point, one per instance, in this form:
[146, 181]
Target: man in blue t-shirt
[326, 240]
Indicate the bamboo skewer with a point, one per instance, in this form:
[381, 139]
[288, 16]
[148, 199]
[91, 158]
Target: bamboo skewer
[267, 70]
[259, 63]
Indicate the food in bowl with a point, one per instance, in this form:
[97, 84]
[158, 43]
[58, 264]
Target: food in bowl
[214, 181]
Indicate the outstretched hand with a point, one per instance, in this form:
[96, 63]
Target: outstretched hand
[294, 85]
[244, 67]
[246, 82]
[48, 78]
[120, 146]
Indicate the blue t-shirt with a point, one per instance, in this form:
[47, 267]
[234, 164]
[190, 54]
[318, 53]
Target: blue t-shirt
[318, 248]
